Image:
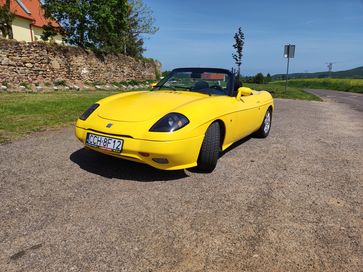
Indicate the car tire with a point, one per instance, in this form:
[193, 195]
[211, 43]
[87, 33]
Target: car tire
[209, 152]
[265, 127]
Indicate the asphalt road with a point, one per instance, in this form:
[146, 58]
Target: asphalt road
[290, 202]
[355, 100]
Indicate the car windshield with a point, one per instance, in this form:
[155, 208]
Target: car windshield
[208, 81]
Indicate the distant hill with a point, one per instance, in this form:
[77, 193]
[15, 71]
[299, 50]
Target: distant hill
[352, 73]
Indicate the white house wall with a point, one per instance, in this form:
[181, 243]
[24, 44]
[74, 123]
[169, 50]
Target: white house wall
[21, 30]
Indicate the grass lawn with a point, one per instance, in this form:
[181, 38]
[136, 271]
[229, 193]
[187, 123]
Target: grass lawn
[22, 113]
[338, 84]
[278, 91]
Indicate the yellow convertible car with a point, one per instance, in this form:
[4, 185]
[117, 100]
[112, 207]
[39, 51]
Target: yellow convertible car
[185, 121]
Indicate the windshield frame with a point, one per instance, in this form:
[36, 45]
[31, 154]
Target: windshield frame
[230, 82]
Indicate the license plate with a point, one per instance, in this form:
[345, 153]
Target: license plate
[105, 143]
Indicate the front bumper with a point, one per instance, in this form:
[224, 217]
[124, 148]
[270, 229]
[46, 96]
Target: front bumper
[179, 154]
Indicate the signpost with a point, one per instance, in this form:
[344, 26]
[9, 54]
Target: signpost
[289, 52]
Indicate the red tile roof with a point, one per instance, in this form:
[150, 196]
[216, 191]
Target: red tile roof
[17, 10]
[36, 12]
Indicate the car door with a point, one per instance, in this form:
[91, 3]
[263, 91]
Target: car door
[247, 116]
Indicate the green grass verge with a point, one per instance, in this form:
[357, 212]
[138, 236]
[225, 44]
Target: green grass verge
[22, 113]
[278, 91]
[338, 84]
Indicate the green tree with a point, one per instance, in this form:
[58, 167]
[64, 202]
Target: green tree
[140, 23]
[239, 38]
[165, 73]
[268, 78]
[133, 46]
[249, 79]
[141, 18]
[258, 79]
[6, 20]
[93, 24]
[110, 26]
[75, 18]
[49, 32]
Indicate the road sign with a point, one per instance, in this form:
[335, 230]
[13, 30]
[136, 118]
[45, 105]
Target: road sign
[289, 51]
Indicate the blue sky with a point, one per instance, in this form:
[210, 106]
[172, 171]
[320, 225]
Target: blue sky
[200, 33]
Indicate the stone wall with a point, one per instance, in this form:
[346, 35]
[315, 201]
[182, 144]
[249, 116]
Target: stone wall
[41, 62]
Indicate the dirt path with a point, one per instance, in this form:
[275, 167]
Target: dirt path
[291, 202]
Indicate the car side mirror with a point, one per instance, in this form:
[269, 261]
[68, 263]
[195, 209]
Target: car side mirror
[152, 85]
[243, 91]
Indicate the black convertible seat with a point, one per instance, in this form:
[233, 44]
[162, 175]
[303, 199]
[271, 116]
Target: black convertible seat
[201, 85]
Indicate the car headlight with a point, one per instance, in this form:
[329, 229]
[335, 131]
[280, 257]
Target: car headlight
[89, 111]
[170, 122]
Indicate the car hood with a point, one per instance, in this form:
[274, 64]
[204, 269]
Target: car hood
[143, 106]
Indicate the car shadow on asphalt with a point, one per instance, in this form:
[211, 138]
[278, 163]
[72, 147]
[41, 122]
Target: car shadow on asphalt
[114, 168]
[235, 145]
